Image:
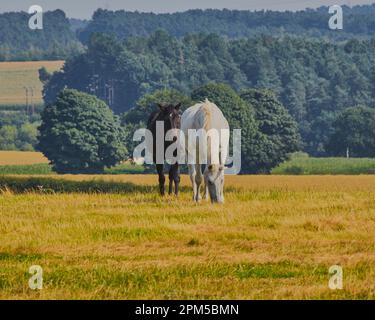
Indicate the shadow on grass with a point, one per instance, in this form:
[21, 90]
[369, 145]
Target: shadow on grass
[20, 257]
[52, 185]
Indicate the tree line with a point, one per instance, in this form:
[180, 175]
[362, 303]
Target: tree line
[80, 134]
[314, 79]
[19, 43]
[62, 37]
[359, 21]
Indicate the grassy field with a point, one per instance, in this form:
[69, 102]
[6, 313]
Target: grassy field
[275, 237]
[310, 166]
[14, 76]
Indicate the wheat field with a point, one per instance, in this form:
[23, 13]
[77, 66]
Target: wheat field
[274, 238]
[14, 76]
[21, 158]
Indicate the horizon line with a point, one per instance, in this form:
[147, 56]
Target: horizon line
[193, 9]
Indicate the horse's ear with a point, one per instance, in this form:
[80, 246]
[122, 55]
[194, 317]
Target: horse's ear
[178, 106]
[161, 107]
[221, 168]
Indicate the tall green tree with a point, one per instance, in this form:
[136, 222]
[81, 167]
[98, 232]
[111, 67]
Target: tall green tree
[80, 134]
[354, 130]
[275, 123]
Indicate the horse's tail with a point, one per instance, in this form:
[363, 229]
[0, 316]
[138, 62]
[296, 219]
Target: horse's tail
[207, 113]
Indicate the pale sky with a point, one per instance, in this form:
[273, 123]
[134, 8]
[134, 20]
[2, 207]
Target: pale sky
[85, 8]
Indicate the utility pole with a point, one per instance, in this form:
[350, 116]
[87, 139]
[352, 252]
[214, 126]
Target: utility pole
[32, 100]
[27, 99]
[102, 88]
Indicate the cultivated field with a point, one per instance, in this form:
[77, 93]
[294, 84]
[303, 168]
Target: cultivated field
[21, 158]
[275, 237]
[14, 76]
[34, 163]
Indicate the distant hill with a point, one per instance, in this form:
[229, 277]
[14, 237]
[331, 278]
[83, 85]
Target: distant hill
[55, 42]
[63, 37]
[359, 21]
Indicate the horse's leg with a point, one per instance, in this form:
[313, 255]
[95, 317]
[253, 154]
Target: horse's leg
[160, 170]
[170, 180]
[206, 193]
[174, 176]
[198, 181]
[222, 192]
[192, 174]
[176, 179]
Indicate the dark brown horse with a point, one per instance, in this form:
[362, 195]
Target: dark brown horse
[170, 116]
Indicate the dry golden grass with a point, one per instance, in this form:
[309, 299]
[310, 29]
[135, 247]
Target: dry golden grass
[275, 237]
[21, 158]
[14, 76]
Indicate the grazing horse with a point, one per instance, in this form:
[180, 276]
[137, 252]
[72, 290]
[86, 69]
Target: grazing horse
[171, 118]
[207, 116]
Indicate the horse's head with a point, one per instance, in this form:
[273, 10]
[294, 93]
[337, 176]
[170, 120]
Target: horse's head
[214, 179]
[170, 114]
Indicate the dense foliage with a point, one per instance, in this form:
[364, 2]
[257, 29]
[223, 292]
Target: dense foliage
[314, 80]
[80, 134]
[18, 129]
[354, 132]
[62, 37]
[289, 53]
[275, 124]
[18, 42]
[359, 21]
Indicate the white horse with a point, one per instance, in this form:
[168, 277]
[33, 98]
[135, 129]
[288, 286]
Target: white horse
[212, 146]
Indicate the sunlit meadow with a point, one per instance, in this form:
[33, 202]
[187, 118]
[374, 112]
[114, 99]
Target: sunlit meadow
[275, 237]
